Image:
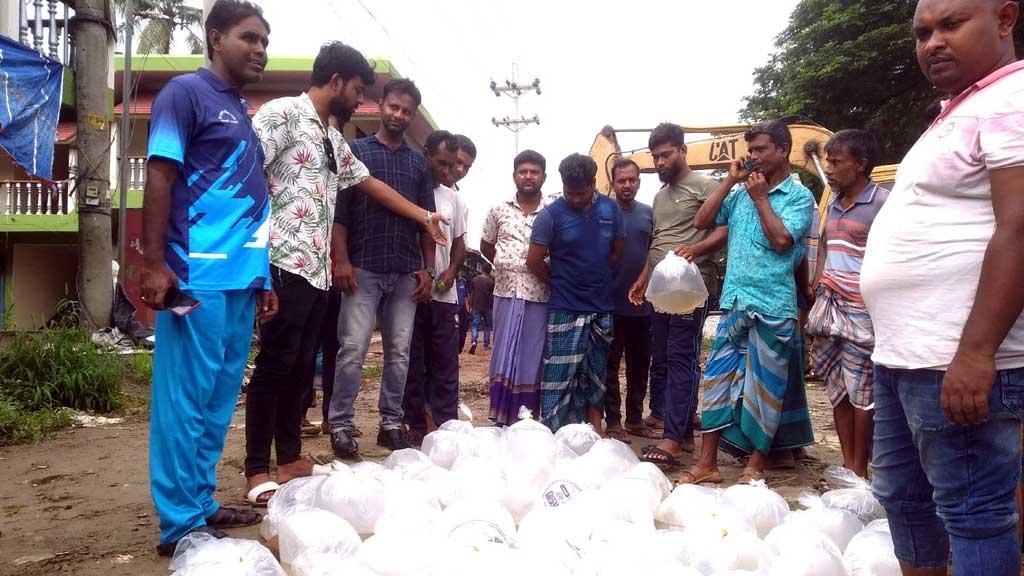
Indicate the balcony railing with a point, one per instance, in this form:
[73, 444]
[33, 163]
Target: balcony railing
[136, 173]
[40, 27]
[32, 197]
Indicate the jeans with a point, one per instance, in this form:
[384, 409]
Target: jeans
[393, 292]
[940, 481]
[276, 398]
[433, 366]
[675, 370]
[632, 339]
[198, 367]
[482, 321]
[328, 347]
[465, 319]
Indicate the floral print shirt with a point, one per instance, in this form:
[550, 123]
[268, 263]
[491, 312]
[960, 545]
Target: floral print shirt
[508, 228]
[303, 188]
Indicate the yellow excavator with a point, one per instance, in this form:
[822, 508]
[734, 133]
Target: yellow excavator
[725, 144]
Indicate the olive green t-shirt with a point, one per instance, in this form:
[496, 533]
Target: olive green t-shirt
[674, 209]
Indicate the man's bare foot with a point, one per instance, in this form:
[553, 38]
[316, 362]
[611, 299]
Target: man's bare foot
[688, 446]
[700, 475]
[656, 423]
[298, 469]
[750, 474]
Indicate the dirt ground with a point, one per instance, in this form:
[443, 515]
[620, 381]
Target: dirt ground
[79, 503]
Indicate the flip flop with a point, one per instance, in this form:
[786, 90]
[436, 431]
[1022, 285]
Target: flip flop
[714, 477]
[253, 497]
[643, 431]
[666, 457]
[654, 423]
[618, 434]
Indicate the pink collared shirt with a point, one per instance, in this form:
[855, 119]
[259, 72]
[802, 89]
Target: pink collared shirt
[924, 253]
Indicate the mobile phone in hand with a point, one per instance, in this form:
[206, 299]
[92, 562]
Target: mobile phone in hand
[178, 302]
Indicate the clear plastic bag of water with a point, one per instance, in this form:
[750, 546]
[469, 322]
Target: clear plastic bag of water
[676, 286]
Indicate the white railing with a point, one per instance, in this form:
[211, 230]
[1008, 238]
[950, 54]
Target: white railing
[136, 173]
[32, 197]
[44, 31]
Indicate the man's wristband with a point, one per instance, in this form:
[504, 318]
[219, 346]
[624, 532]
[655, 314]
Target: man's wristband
[426, 218]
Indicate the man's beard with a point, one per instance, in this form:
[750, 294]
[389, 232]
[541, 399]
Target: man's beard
[669, 176]
[342, 113]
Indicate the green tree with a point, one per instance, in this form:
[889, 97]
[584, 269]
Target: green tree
[849, 64]
[161, 19]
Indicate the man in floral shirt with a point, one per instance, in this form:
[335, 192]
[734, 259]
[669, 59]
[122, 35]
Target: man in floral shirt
[307, 163]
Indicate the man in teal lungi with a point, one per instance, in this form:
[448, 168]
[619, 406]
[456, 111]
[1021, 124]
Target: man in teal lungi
[582, 232]
[747, 396]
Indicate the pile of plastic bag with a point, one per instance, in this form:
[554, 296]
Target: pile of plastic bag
[522, 500]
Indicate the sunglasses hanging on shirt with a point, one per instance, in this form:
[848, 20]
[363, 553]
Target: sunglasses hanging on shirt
[332, 164]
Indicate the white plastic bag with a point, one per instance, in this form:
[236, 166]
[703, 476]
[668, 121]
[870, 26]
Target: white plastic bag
[578, 437]
[606, 460]
[477, 523]
[764, 506]
[407, 462]
[200, 554]
[357, 499]
[812, 562]
[839, 525]
[293, 496]
[871, 553]
[676, 286]
[443, 447]
[316, 532]
[687, 505]
[858, 501]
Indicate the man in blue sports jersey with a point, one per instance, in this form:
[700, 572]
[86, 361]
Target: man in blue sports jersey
[205, 236]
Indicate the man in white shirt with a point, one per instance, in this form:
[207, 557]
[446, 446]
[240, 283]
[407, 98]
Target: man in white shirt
[942, 280]
[433, 377]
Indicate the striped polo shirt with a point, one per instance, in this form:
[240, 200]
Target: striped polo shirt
[846, 231]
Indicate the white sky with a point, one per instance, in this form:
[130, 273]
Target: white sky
[627, 64]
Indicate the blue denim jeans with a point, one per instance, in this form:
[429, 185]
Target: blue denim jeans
[393, 294]
[940, 481]
[481, 323]
[675, 370]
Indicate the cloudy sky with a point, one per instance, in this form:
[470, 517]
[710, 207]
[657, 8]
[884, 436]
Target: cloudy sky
[627, 64]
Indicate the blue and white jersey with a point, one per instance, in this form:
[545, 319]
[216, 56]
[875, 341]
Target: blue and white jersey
[218, 231]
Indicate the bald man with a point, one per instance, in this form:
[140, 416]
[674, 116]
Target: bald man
[942, 279]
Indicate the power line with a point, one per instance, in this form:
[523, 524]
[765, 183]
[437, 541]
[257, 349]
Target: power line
[513, 89]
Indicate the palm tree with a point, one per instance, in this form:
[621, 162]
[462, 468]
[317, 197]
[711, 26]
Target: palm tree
[162, 18]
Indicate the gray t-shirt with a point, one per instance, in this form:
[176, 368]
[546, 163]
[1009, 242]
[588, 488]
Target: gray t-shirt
[639, 224]
[675, 206]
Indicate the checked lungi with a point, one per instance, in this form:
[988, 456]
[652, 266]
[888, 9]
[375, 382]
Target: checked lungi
[575, 363]
[750, 393]
[843, 342]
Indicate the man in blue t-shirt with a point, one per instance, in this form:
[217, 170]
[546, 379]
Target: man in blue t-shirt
[206, 268]
[582, 232]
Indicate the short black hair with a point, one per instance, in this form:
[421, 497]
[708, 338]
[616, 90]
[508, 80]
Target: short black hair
[225, 14]
[403, 86]
[860, 144]
[666, 133]
[530, 157]
[577, 170]
[622, 163]
[341, 59]
[438, 137]
[466, 145]
[776, 130]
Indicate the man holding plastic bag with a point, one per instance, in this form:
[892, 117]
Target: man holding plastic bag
[747, 371]
[679, 274]
[583, 233]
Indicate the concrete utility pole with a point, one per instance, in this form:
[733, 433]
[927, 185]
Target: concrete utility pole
[124, 135]
[515, 90]
[94, 34]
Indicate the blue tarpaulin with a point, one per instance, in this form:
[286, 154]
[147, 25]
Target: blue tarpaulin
[30, 92]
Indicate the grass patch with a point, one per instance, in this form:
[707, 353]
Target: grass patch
[45, 373]
[372, 372]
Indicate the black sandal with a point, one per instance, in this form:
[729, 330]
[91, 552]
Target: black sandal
[233, 518]
[658, 456]
[168, 549]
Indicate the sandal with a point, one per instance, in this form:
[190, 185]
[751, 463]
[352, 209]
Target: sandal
[708, 477]
[643, 431]
[310, 429]
[232, 518]
[652, 422]
[253, 496]
[658, 456]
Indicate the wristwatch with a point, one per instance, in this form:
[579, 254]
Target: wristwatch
[427, 215]
[431, 273]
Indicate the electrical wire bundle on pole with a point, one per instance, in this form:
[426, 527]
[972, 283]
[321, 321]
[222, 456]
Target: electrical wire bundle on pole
[513, 89]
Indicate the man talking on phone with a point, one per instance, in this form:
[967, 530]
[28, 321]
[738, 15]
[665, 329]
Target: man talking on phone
[206, 268]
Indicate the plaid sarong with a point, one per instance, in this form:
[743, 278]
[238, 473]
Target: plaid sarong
[843, 343]
[575, 362]
[748, 389]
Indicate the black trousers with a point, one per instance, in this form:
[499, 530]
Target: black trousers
[328, 346]
[465, 319]
[433, 366]
[275, 401]
[633, 340]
